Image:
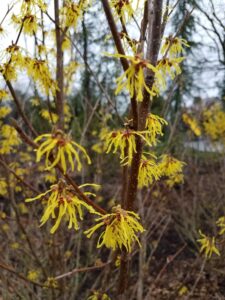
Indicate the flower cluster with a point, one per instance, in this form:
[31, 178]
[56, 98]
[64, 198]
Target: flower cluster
[13, 60]
[171, 168]
[221, 224]
[62, 203]
[28, 21]
[214, 122]
[149, 171]
[123, 9]
[120, 228]
[98, 296]
[174, 46]
[39, 71]
[72, 12]
[133, 79]
[56, 146]
[208, 245]
[124, 140]
[154, 124]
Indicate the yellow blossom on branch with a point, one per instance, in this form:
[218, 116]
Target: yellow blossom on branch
[32, 6]
[221, 223]
[98, 296]
[123, 9]
[51, 282]
[28, 21]
[13, 61]
[174, 46]
[134, 78]
[49, 116]
[9, 139]
[177, 178]
[208, 245]
[170, 166]
[40, 73]
[72, 12]
[3, 94]
[149, 171]
[154, 124]
[166, 66]
[4, 111]
[124, 141]
[3, 187]
[120, 229]
[59, 147]
[33, 275]
[62, 203]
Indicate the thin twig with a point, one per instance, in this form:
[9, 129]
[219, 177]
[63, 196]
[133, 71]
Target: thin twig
[81, 270]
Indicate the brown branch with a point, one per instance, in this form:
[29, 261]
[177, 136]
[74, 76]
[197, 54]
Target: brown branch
[115, 33]
[23, 277]
[124, 61]
[19, 107]
[6, 14]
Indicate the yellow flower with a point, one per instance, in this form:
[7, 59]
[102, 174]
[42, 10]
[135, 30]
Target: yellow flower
[183, 290]
[122, 140]
[62, 203]
[50, 117]
[15, 246]
[23, 208]
[123, 9]
[50, 176]
[3, 187]
[4, 111]
[177, 178]
[166, 66]
[51, 282]
[154, 124]
[2, 215]
[14, 182]
[174, 46]
[32, 5]
[29, 21]
[208, 245]
[192, 123]
[214, 122]
[118, 261]
[8, 71]
[13, 61]
[59, 145]
[134, 77]
[33, 275]
[148, 172]
[221, 223]
[72, 12]
[3, 94]
[98, 296]
[40, 73]
[8, 139]
[170, 166]
[120, 228]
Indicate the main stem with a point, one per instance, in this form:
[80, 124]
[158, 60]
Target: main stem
[59, 68]
[153, 44]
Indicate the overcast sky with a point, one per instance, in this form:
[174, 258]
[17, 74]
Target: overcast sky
[208, 77]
